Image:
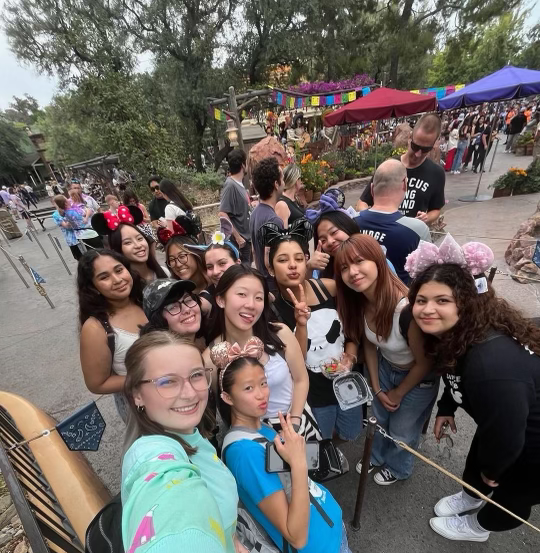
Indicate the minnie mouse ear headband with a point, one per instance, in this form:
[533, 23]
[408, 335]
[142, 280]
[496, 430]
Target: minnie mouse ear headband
[224, 353]
[220, 237]
[182, 226]
[270, 232]
[106, 223]
[332, 200]
[474, 256]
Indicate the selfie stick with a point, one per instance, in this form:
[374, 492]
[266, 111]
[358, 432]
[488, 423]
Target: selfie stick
[368, 444]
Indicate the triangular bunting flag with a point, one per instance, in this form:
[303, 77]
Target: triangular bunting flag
[39, 279]
[83, 430]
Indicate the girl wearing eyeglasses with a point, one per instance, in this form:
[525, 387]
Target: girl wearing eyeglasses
[110, 314]
[176, 493]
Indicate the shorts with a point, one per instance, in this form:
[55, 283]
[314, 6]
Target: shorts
[347, 424]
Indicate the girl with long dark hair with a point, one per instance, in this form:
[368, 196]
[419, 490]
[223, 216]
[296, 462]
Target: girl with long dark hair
[175, 491]
[370, 301]
[489, 356]
[308, 308]
[178, 203]
[127, 239]
[293, 510]
[243, 312]
[110, 314]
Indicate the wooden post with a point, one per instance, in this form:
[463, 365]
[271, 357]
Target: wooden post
[236, 116]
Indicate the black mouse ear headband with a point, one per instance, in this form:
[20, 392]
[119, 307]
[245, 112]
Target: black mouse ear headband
[270, 232]
[107, 222]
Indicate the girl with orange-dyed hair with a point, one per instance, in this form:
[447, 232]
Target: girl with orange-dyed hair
[373, 306]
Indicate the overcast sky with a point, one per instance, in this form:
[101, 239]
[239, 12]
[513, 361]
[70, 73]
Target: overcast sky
[18, 79]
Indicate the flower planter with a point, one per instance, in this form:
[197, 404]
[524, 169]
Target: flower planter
[316, 196]
[519, 192]
[309, 196]
[529, 149]
[520, 150]
[501, 192]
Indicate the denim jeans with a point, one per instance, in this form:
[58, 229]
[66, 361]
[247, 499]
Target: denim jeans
[461, 146]
[406, 423]
[348, 424]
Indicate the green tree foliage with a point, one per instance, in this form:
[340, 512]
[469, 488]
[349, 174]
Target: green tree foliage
[23, 110]
[11, 151]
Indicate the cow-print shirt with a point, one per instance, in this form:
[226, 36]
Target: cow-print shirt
[326, 341]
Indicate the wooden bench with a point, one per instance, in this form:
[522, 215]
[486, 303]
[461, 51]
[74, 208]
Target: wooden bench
[54, 490]
[41, 214]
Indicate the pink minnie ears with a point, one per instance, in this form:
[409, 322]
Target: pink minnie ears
[105, 223]
[474, 256]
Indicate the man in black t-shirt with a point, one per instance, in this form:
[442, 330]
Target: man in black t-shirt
[157, 205]
[424, 198]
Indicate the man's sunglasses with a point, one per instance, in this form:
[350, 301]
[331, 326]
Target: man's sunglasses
[424, 149]
[154, 188]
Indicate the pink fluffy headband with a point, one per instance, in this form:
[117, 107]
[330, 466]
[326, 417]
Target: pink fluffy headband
[474, 256]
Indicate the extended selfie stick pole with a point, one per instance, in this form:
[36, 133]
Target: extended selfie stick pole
[368, 444]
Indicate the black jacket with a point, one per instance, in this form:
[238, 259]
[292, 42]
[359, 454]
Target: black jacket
[497, 382]
[517, 123]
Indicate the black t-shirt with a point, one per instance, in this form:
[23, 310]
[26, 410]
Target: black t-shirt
[497, 382]
[156, 209]
[425, 189]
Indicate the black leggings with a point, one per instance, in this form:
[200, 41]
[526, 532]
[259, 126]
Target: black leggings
[96, 242]
[479, 155]
[518, 491]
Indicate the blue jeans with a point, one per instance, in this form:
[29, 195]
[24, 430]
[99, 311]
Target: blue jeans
[406, 423]
[460, 150]
[348, 424]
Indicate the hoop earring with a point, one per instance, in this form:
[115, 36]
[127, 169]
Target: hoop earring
[140, 408]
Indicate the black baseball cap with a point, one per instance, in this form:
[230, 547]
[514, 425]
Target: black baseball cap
[157, 293]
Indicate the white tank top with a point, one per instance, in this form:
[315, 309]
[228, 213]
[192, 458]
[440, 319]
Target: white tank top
[395, 349]
[280, 384]
[122, 343]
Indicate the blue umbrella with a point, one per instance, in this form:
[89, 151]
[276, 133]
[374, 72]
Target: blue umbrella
[507, 83]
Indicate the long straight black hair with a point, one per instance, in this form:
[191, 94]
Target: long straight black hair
[115, 242]
[91, 302]
[171, 191]
[263, 328]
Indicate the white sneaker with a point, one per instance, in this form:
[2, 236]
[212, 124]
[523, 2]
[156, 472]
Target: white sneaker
[458, 528]
[385, 478]
[371, 468]
[456, 504]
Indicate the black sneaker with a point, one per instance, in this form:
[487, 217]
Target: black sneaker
[384, 478]
[371, 468]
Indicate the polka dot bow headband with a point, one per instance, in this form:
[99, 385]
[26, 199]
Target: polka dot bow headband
[224, 353]
[474, 256]
[105, 223]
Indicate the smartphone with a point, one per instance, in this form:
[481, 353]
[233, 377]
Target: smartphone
[275, 463]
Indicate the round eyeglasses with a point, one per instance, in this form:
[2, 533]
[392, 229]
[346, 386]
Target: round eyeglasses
[180, 259]
[170, 386]
[176, 307]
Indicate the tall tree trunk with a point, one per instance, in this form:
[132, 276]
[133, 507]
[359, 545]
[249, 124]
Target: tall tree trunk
[401, 36]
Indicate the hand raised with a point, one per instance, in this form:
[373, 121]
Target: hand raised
[302, 312]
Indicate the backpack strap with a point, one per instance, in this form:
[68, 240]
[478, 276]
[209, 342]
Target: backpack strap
[111, 336]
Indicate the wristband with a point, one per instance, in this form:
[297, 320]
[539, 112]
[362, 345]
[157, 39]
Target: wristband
[377, 393]
[295, 417]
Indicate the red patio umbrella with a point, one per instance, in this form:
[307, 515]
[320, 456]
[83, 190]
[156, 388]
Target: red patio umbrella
[382, 103]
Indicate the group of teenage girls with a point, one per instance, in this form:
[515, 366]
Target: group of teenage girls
[176, 349]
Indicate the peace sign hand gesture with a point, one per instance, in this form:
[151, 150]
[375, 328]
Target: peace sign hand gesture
[302, 312]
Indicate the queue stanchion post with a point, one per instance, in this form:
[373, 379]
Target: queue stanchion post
[15, 267]
[39, 288]
[362, 483]
[59, 254]
[34, 234]
[4, 235]
[58, 242]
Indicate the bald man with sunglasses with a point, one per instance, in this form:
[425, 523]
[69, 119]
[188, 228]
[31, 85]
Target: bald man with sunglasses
[424, 197]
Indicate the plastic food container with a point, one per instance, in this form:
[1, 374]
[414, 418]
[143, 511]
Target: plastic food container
[351, 389]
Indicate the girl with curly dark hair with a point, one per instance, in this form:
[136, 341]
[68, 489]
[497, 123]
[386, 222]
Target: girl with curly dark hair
[489, 356]
[110, 314]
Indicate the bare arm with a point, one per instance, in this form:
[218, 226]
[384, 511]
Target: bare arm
[370, 358]
[209, 365]
[146, 216]
[283, 212]
[421, 367]
[432, 216]
[297, 367]
[96, 360]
